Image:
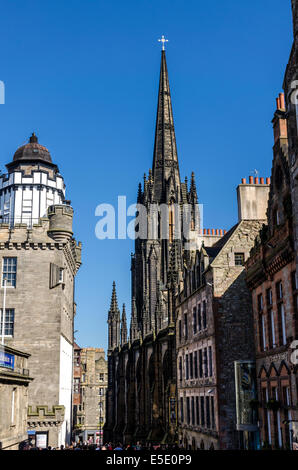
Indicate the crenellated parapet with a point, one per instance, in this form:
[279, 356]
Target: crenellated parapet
[43, 416]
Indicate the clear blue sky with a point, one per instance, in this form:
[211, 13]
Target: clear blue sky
[84, 75]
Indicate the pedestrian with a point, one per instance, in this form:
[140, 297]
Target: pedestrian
[119, 447]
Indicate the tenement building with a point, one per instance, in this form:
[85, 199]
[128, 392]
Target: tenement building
[39, 262]
[291, 97]
[90, 407]
[141, 401]
[77, 395]
[271, 276]
[14, 382]
[214, 329]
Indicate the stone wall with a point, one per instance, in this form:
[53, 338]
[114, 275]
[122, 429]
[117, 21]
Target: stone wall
[14, 400]
[43, 314]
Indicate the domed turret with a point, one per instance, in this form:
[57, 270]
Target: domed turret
[33, 183]
[33, 151]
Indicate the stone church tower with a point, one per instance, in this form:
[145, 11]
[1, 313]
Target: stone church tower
[157, 258]
[142, 373]
[39, 259]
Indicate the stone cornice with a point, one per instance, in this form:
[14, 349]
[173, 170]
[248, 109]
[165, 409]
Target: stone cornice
[11, 376]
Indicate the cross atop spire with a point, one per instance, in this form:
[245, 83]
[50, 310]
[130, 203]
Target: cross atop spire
[163, 40]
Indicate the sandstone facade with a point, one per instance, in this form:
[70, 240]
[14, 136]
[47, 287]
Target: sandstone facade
[14, 383]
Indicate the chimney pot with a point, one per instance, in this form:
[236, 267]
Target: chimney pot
[267, 180]
[204, 231]
[282, 100]
[220, 232]
[251, 180]
[213, 231]
[262, 180]
[243, 181]
[256, 180]
[208, 231]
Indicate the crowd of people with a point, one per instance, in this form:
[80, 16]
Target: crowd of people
[107, 446]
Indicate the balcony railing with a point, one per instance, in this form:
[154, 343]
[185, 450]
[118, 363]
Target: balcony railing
[12, 221]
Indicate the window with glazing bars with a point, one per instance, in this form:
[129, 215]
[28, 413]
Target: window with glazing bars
[8, 323]
[204, 315]
[194, 320]
[191, 365]
[9, 272]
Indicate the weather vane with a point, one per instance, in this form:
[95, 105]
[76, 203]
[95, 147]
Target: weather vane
[163, 40]
[255, 173]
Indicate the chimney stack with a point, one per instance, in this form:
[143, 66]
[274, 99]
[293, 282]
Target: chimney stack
[252, 199]
[279, 120]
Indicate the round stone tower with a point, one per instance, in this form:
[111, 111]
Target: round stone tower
[60, 216]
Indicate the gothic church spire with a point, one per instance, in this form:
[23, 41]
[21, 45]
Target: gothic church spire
[165, 159]
[114, 320]
[123, 327]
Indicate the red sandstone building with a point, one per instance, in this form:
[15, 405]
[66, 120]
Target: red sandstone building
[214, 328]
[77, 396]
[271, 276]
